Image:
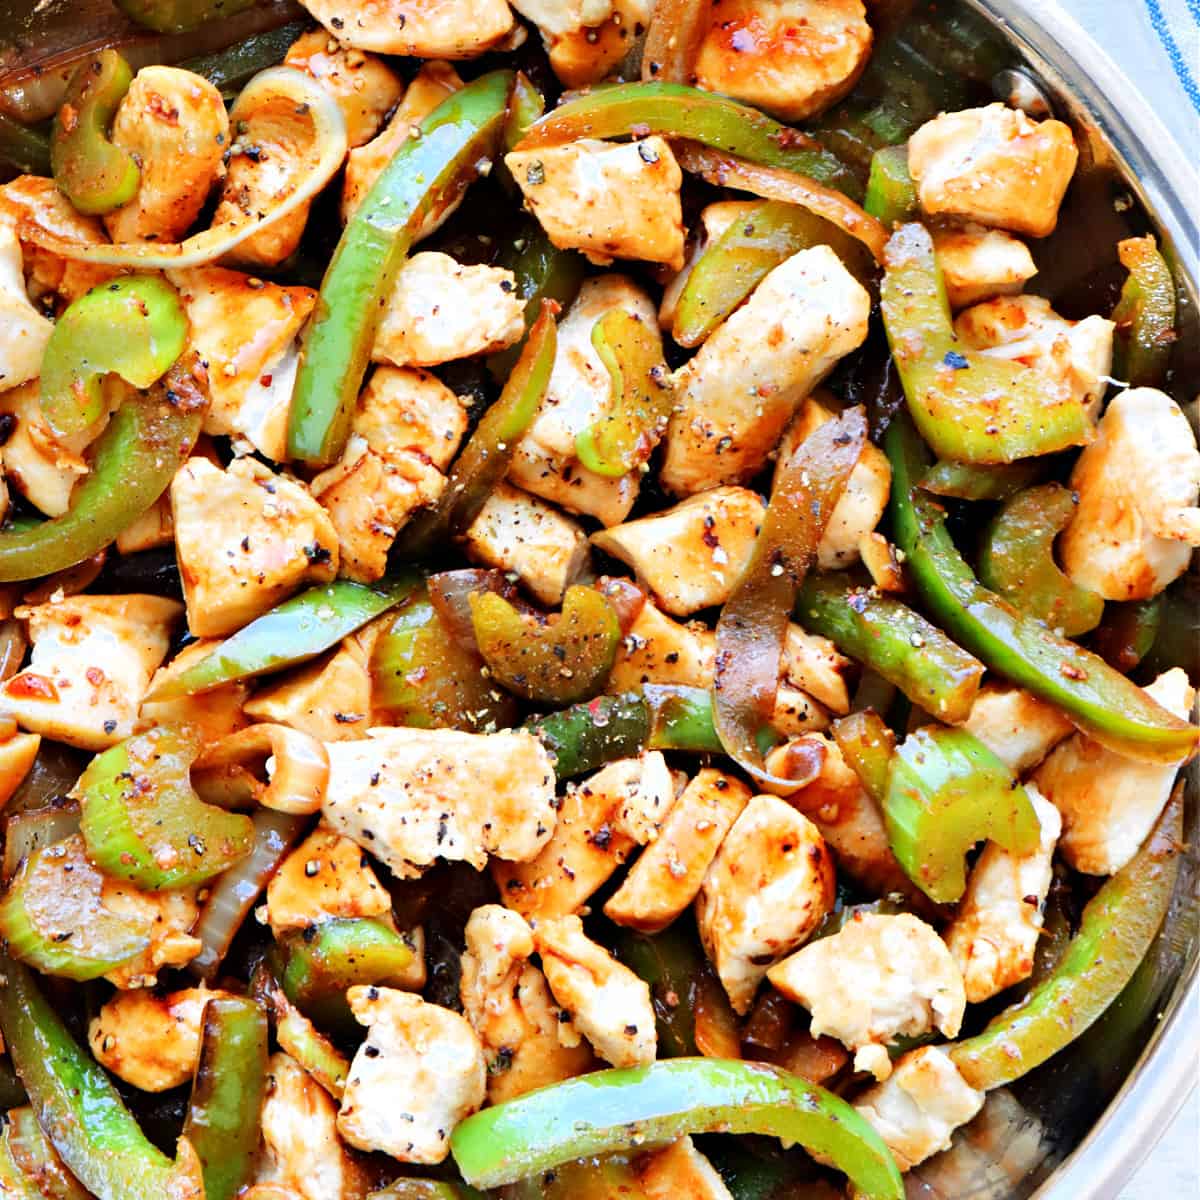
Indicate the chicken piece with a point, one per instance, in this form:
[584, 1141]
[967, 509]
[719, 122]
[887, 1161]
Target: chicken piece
[174, 123]
[610, 1004]
[429, 87]
[999, 919]
[1016, 726]
[918, 1109]
[24, 332]
[301, 1153]
[153, 530]
[690, 556]
[445, 29]
[715, 219]
[1138, 514]
[326, 877]
[679, 1171]
[995, 166]
[793, 58]
[527, 1040]
[882, 561]
[1109, 803]
[580, 393]
[520, 533]
[594, 835]
[215, 713]
[151, 1041]
[171, 916]
[245, 331]
[420, 1071]
[439, 310]
[769, 887]
[979, 264]
[364, 86]
[667, 875]
[411, 796]
[1074, 357]
[589, 55]
[659, 650]
[607, 199]
[736, 396]
[407, 410]
[556, 18]
[862, 503]
[880, 978]
[42, 468]
[18, 753]
[93, 657]
[246, 539]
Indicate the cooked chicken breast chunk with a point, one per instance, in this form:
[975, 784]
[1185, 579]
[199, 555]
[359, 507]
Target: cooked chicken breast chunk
[980, 264]
[1016, 726]
[442, 29]
[24, 331]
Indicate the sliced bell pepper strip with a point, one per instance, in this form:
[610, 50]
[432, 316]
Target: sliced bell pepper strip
[142, 820]
[298, 1037]
[1101, 702]
[37, 1160]
[135, 459]
[752, 628]
[24, 149]
[227, 1094]
[622, 1109]
[1016, 560]
[14, 1183]
[946, 792]
[1118, 926]
[968, 406]
[1144, 315]
[1127, 633]
[80, 1110]
[891, 194]
[227, 70]
[895, 642]
[422, 177]
[291, 633]
[867, 744]
[561, 661]
[681, 718]
[1000, 481]
[525, 106]
[93, 173]
[180, 16]
[676, 110]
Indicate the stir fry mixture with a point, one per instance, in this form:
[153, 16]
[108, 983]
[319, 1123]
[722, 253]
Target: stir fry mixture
[563, 595]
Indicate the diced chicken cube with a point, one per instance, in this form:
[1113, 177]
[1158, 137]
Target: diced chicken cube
[589, 55]
[880, 978]
[978, 264]
[439, 310]
[736, 396]
[715, 219]
[769, 887]
[93, 658]
[527, 1040]
[174, 123]
[36, 463]
[659, 650]
[1016, 726]
[520, 533]
[918, 1109]
[556, 18]
[420, 1071]
[999, 919]
[793, 58]
[680, 1171]
[455, 29]
[690, 556]
[610, 200]
[993, 165]
[609, 1003]
[406, 410]
[411, 796]
[215, 713]
[1109, 804]
[1138, 515]
[171, 916]
[246, 539]
[24, 331]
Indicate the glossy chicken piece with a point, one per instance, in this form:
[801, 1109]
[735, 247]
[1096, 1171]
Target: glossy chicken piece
[37, 465]
[1016, 726]
[980, 264]
[680, 1170]
[171, 916]
[589, 55]
[24, 331]
[437, 29]
[215, 713]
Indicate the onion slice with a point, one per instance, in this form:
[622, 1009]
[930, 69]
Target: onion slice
[296, 765]
[673, 38]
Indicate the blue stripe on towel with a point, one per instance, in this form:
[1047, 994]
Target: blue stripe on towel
[1178, 61]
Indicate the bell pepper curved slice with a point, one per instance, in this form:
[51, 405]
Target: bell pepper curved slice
[291, 633]
[422, 177]
[525, 106]
[968, 406]
[676, 110]
[80, 1110]
[93, 173]
[1118, 926]
[891, 194]
[1128, 632]
[135, 459]
[298, 1036]
[609, 1111]
[180, 16]
[1108, 707]
[1144, 315]
[642, 397]
[1016, 560]
[1000, 481]
[946, 792]
[134, 327]
[868, 744]
[142, 820]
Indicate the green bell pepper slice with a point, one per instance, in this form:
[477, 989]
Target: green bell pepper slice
[609, 1111]
[1016, 560]
[891, 194]
[229, 69]
[39, 1166]
[143, 821]
[964, 481]
[298, 1036]
[424, 176]
[1119, 924]
[14, 1183]
[1100, 701]
[80, 1110]
[968, 406]
[868, 745]
[93, 173]
[180, 16]
[134, 327]
[946, 792]
[1144, 315]
[25, 150]
[1128, 632]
